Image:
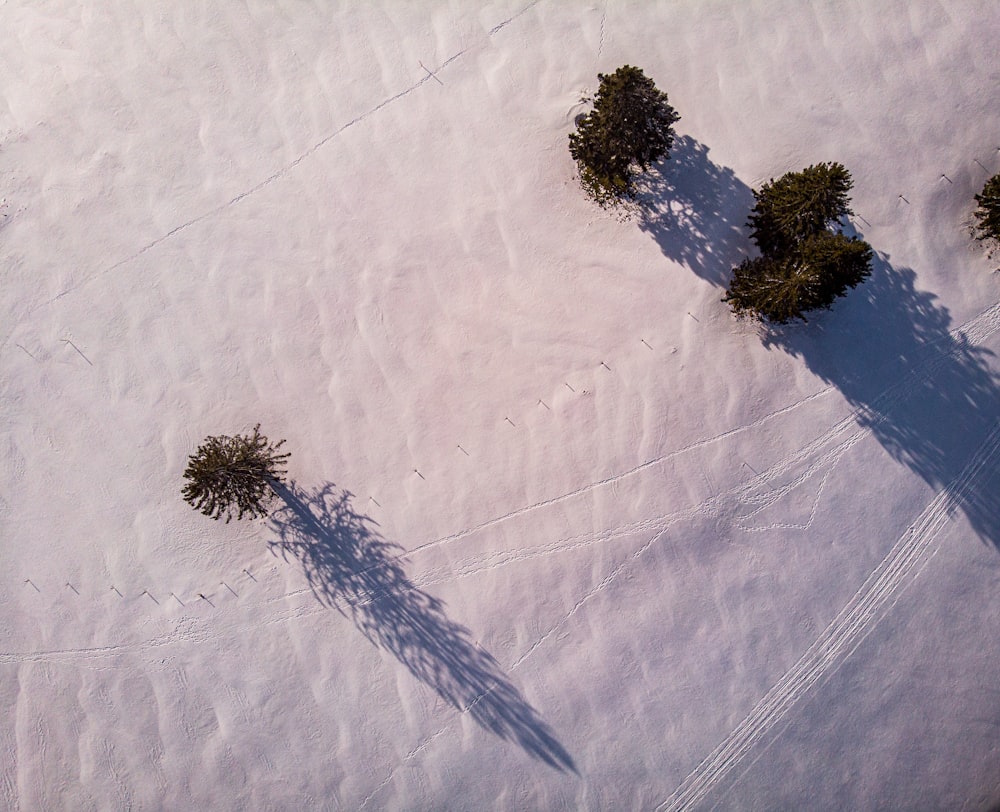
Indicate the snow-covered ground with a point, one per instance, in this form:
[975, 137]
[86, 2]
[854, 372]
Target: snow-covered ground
[560, 533]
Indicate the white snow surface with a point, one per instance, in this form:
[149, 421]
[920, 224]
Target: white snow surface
[560, 532]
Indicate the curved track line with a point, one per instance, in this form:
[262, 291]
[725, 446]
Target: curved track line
[839, 640]
[276, 175]
[616, 478]
[976, 330]
[749, 493]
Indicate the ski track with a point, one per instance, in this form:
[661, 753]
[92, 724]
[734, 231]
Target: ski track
[842, 637]
[839, 640]
[274, 176]
[819, 456]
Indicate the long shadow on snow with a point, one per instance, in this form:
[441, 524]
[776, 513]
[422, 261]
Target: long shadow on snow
[696, 211]
[928, 395]
[352, 569]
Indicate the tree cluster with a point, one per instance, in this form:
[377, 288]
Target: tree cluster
[629, 129]
[806, 260]
[228, 475]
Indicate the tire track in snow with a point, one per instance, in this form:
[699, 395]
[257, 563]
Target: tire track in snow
[840, 639]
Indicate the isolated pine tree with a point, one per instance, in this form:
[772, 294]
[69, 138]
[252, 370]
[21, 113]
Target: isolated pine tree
[987, 213]
[629, 129]
[806, 261]
[228, 475]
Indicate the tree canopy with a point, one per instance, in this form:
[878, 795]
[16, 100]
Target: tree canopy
[228, 475]
[629, 129]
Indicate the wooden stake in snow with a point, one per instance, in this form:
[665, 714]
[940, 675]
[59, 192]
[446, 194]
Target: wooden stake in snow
[907, 202]
[29, 581]
[154, 600]
[510, 421]
[467, 454]
[419, 474]
[84, 357]
[172, 595]
[72, 587]
[115, 589]
[645, 342]
[206, 600]
[947, 178]
[227, 586]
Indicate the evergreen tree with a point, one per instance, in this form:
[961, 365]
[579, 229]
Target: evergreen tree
[805, 264]
[784, 287]
[629, 129]
[987, 213]
[234, 474]
[799, 205]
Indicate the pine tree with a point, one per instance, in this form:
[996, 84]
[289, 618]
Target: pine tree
[629, 129]
[987, 213]
[234, 474]
[785, 287]
[799, 205]
[805, 264]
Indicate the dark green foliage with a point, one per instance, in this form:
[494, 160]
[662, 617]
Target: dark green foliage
[987, 214]
[804, 264]
[782, 288]
[234, 474]
[798, 205]
[629, 129]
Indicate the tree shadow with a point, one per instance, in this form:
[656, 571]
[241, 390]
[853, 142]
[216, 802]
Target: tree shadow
[696, 211]
[352, 569]
[926, 392]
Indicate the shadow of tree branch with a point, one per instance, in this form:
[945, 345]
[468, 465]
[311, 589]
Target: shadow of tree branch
[696, 211]
[352, 569]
